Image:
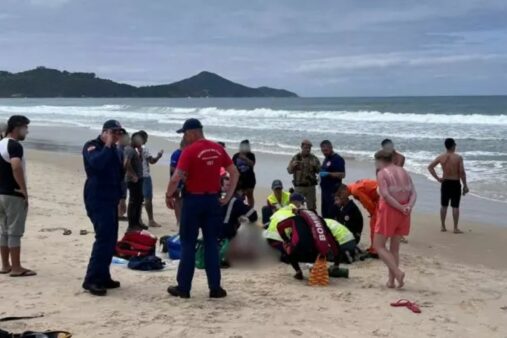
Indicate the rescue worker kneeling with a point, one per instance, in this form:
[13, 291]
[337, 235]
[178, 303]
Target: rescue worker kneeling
[345, 238]
[234, 213]
[306, 239]
[277, 200]
[297, 201]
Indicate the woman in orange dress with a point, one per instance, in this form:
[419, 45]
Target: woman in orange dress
[397, 198]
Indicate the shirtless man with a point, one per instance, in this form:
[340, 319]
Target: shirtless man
[453, 171]
[398, 159]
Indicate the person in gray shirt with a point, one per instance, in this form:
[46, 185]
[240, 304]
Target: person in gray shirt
[134, 170]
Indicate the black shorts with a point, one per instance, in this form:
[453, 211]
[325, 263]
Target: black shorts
[450, 192]
[247, 182]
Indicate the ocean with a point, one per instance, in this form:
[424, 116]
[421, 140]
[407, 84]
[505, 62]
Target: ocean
[356, 126]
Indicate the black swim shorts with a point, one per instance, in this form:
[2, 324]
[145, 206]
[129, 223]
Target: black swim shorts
[451, 192]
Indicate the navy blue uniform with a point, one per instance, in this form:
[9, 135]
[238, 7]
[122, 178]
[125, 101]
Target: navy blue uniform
[332, 164]
[201, 161]
[102, 193]
[232, 212]
[350, 216]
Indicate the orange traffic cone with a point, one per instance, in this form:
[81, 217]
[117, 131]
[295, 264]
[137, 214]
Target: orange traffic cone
[319, 276]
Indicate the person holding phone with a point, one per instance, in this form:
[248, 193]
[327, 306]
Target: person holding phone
[105, 172]
[244, 160]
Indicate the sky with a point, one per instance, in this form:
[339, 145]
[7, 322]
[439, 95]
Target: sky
[315, 48]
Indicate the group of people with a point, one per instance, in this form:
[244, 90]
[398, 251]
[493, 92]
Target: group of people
[388, 200]
[213, 192]
[137, 160]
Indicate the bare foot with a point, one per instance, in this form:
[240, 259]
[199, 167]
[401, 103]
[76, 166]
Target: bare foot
[443, 229]
[458, 231]
[154, 224]
[403, 240]
[390, 284]
[401, 280]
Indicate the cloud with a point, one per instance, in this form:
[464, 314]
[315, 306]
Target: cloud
[49, 3]
[449, 59]
[326, 47]
[379, 61]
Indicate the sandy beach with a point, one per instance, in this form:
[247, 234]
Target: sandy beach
[459, 281]
[425, 80]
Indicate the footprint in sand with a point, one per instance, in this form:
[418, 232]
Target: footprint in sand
[380, 333]
[296, 332]
[426, 304]
[443, 319]
[471, 305]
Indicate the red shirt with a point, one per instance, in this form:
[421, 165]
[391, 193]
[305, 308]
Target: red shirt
[201, 161]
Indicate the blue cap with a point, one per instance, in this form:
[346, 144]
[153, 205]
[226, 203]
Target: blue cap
[297, 197]
[190, 124]
[277, 184]
[112, 124]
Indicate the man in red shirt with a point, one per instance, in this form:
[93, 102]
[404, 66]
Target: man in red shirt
[199, 165]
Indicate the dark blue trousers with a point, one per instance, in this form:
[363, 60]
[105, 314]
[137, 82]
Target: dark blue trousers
[327, 200]
[199, 211]
[104, 217]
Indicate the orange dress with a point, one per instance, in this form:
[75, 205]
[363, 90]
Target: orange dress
[396, 192]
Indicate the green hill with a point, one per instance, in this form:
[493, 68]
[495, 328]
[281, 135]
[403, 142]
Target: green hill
[45, 82]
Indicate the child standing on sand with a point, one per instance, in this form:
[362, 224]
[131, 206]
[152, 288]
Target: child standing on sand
[397, 198]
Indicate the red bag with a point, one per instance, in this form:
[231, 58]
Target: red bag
[142, 237]
[136, 243]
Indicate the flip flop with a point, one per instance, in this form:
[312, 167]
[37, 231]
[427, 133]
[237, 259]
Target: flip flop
[7, 319]
[47, 334]
[26, 273]
[5, 272]
[408, 304]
